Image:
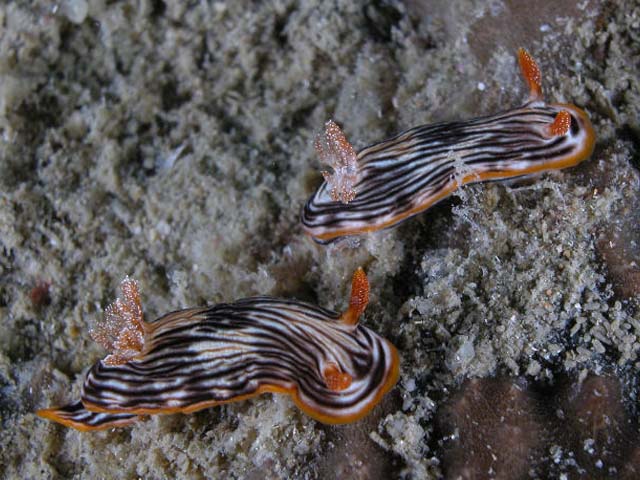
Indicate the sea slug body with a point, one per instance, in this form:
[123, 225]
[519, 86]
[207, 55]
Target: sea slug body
[335, 369]
[393, 180]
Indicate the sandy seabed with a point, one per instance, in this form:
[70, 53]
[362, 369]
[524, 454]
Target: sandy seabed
[173, 142]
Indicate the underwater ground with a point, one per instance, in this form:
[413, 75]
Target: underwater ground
[173, 142]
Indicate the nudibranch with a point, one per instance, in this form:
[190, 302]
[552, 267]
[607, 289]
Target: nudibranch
[393, 180]
[335, 369]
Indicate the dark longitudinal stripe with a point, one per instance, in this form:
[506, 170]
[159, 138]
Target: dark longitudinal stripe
[232, 350]
[77, 416]
[416, 168]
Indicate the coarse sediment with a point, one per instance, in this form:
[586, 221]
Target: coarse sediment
[173, 142]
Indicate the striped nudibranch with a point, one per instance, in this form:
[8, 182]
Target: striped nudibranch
[335, 370]
[395, 179]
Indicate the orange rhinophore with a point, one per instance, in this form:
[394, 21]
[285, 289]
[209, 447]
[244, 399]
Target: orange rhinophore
[531, 73]
[395, 179]
[561, 124]
[359, 297]
[336, 379]
[334, 369]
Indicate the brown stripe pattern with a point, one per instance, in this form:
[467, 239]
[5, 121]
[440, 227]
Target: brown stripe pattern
[200, 357]
[77, 416]
[407, 174]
